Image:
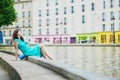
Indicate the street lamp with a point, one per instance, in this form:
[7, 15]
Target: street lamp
[113, 30]
[61, 33]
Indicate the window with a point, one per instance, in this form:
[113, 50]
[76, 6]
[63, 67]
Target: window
[112, 15]
[103, 28]
[23, 32]
[56, 30]
[40, 22]
[47, 30]
[23, 23]
[104, 4]
[65, 30]
[92, 8]
[16, 14]
[29, 32]
[72, 1]
[29, 13]
[23, 14]
[65, 10]
[40, 31]
[83, 19]
[10, 33]
[83, 7]
[72, 9]
[119, 3]
[47, 2]
[119, 15]
[111, 3]
[112, 27]
[56, 21]
[4, 33]
[56, 11]
[47, 12]
[29, 23]
[48, 22]
[39, 12]
[56, 2]
[17, 24]
[103, 16]
[23, 6]
[65, 22]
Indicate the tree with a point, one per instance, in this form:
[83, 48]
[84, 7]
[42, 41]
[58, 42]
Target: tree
[7, 12]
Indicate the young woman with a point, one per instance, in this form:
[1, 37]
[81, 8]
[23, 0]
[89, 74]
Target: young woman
[20, 44]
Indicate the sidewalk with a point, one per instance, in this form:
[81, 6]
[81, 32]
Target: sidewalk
[31, 71]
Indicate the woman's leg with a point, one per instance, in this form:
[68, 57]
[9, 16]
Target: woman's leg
[44, 52]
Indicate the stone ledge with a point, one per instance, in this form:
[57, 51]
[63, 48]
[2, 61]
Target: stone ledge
[14, 75]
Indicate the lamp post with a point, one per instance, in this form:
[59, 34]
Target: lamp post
[113, 30]
[61, 33]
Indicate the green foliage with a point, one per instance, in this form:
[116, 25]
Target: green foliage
[7, 12]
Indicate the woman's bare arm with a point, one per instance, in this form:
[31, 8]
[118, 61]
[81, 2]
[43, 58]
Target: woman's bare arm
[16, 50]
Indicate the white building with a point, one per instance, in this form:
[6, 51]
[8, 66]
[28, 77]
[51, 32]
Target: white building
[24, 21]
[58, 21]
[59, 17]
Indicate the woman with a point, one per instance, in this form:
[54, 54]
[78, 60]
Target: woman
[20, 44]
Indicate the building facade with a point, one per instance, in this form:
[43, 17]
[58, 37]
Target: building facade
[23, 21]
[66, 21]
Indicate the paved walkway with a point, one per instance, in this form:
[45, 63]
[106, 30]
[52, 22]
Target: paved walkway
[3, 74]
[31, 71]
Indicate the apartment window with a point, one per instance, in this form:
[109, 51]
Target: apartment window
[29, 32]
[40, 22]
[83, 19]
[56, 2]
[10, 33]
[39, 12]
[23, 14]
[119, 3]
[4, 33]
[72, 1]
[119, 14]
[103, 27]
[111, 3]
[56, 11]
[23, 6]
[92, 6]
[72, 9]
[29, 23]
[17, 24]
[104, 4]
[112, 27]
[112, 15]
[56, 30]
[23, 32]
[48, 22]
[23, 23]
[29, 13]
[103, 16]
[65, 10]
[65, 21]
[47, 30]
[40, 31]
[47, 12]
[57, 21]
[65, 30]
[119, 26]
[83, 7]
[47, 2]
[16, 14]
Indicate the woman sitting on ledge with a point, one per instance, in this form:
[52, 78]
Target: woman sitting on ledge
[20, 44]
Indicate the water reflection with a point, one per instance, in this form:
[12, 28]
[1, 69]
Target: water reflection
[102, 60]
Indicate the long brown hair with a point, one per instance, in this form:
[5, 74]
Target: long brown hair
[15, 36]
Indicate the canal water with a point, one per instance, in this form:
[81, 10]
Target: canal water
[104, 61]
[3, 74]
